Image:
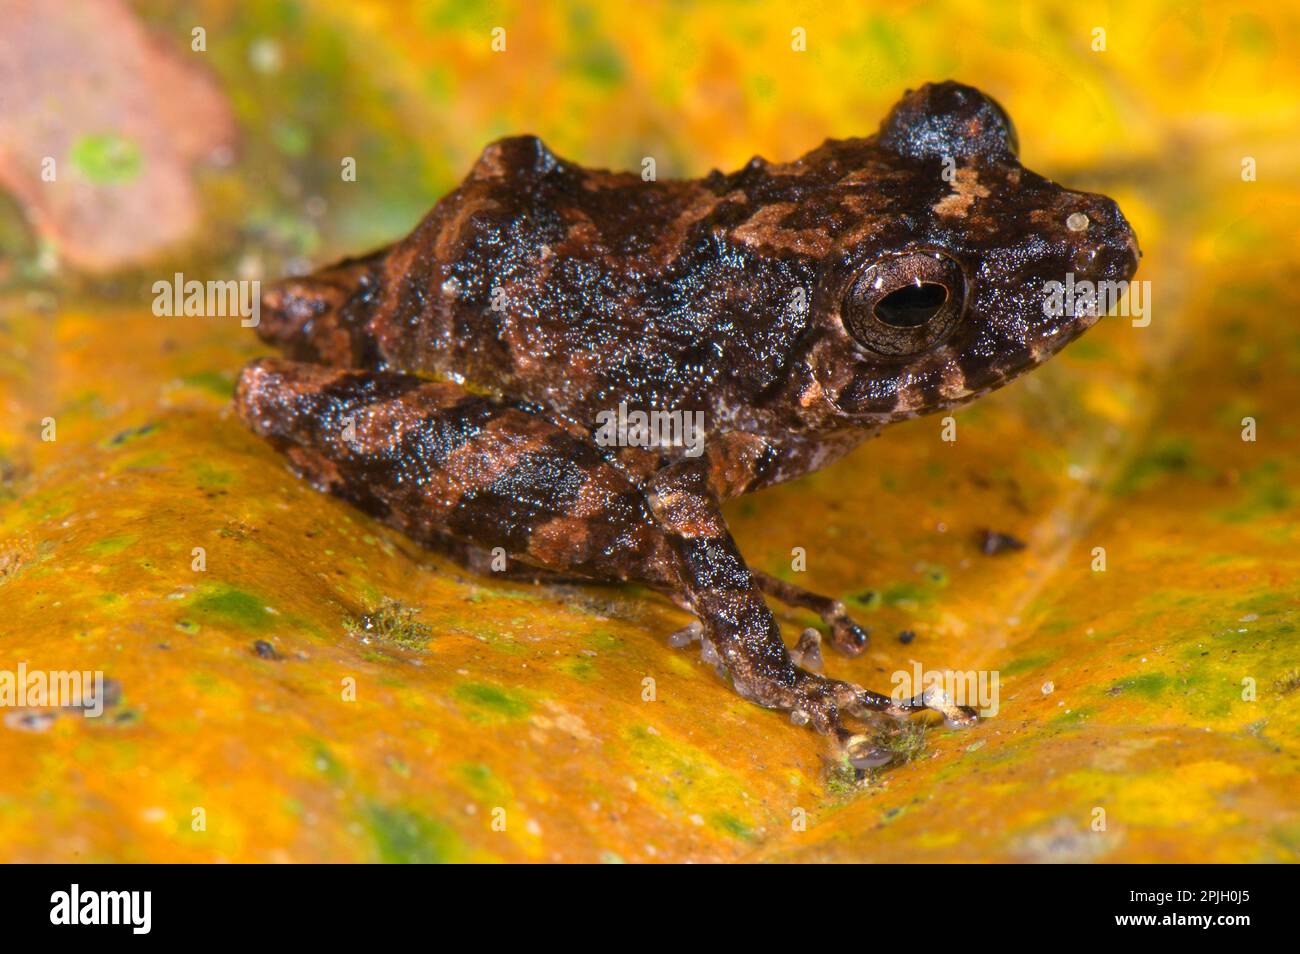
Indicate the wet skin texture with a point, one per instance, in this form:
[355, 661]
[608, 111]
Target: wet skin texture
[450, 383]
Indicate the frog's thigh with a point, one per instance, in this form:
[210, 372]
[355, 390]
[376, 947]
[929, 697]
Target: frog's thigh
[435, 461]
[484, 562]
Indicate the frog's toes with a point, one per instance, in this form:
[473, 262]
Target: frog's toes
[690, 633]
[961, 717]
[846, 636]
[894, 740]
[694, 632]
[824, 703]
[863, 753]
[934, 699]
[808, 651]
[954, 715]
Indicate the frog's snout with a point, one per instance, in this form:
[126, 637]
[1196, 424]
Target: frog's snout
[1105, 248]
[1118, 253]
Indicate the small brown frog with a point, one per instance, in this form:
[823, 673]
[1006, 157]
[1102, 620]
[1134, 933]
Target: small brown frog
[460, 384]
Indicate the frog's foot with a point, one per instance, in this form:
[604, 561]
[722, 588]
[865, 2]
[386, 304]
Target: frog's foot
[825, 704]
[846, 635]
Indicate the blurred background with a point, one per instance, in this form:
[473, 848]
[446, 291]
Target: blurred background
[236, 145]
[142, 139]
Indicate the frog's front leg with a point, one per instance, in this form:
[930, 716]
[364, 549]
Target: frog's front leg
[725, 595]
[737, 462]
[846, 635]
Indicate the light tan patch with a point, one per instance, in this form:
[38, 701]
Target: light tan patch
[763, 228]
[872, 174]
[561, 542]
[812, 393]
[700, 207]
[869, 221]
[597, 180]
[966, 189]
[796, 167]
[563, 720]
[953, 386]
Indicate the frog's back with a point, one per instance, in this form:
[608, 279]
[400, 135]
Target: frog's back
[578, 289]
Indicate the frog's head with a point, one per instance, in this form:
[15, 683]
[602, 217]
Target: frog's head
[934, 289]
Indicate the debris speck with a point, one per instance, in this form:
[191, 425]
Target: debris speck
[393, 622]
[992, 543]
[30, 720]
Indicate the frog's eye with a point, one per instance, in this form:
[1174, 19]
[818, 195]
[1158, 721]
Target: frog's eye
[904, 304]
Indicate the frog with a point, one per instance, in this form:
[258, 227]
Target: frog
[457, 383]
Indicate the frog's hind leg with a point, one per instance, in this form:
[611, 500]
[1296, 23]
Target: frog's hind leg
[846, 635]
[485, 562]
[437, 462]
[324, 317]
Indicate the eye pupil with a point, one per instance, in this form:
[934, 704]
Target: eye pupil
[912, 305]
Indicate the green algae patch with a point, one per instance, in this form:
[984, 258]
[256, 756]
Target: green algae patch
[230, 606]
[106, 159]
[1169, 456]
[402, 836]
[1027, 664]
[110, 546]
[733, 826]
[488, 701]
[1149, 685]
[128, 436]
[1265, 493]
[579, 667]
[210, 477]
[217, 383]
[483, 783]
[905, 740]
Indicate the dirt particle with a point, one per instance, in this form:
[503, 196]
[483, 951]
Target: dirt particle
[992, 543]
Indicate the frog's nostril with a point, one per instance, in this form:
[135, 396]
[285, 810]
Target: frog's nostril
[1104, 243]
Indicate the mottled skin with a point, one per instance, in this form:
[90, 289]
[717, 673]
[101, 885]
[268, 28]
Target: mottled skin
[450, 383]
